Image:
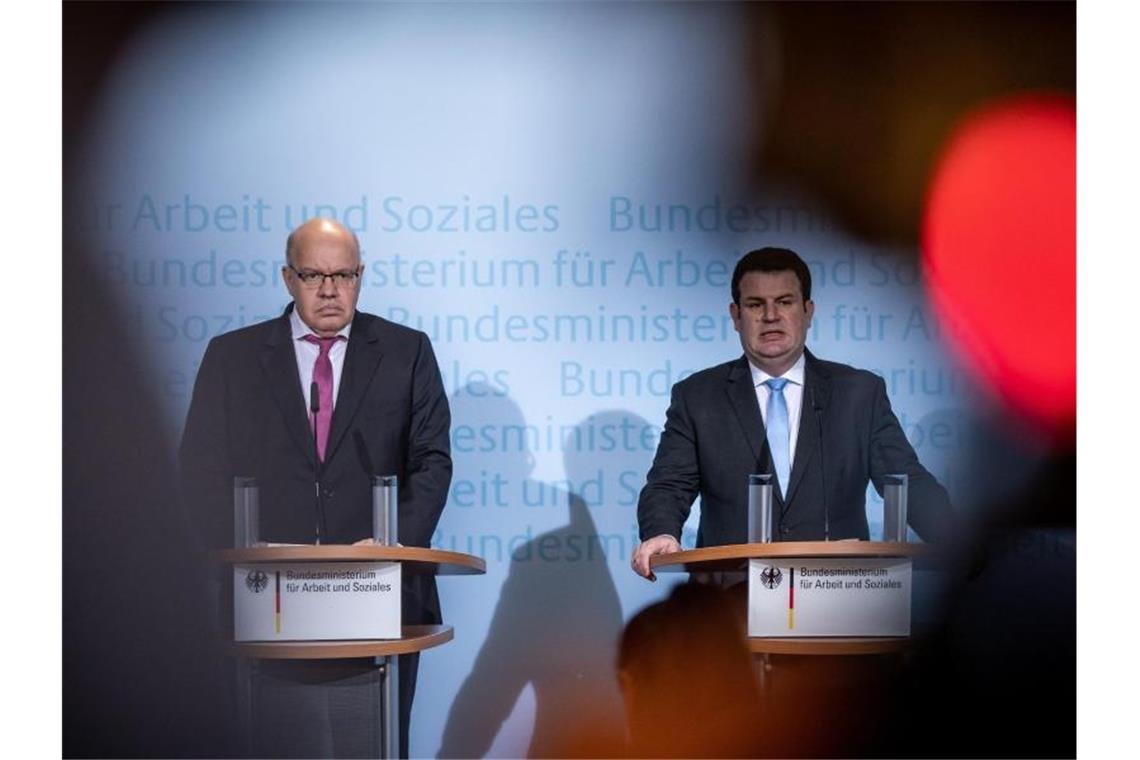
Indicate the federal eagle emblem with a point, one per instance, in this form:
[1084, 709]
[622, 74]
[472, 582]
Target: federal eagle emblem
[771, 577]
[256, 581]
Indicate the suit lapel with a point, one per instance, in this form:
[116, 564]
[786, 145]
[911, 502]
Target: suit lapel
[279, 363]
[742, 396]
[807, 445]
[817, 390]
[360, 361]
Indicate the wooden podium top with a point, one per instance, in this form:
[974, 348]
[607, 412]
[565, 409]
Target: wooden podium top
[828, 645]
[415, 638]
[734, 557]
[415, 558]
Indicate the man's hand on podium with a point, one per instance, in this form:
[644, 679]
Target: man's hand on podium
[369, 542]
[663, 544]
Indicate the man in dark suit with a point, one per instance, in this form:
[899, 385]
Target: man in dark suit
[381, 409]
[823, 428]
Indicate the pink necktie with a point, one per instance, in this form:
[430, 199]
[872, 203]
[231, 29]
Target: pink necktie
[323, 377]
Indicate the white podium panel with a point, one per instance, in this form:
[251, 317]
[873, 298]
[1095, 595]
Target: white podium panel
[316, 601]
[829, 597]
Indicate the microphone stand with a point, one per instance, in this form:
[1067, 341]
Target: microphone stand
[318, 466]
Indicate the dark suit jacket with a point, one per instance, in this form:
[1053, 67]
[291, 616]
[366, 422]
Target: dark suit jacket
[248, 418]
[714, 438]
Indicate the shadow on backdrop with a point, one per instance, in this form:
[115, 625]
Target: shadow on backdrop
[554, 627]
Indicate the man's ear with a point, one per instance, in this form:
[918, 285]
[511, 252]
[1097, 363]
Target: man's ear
[734, 312]
[286, 273]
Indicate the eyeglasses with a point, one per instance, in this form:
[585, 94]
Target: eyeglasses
[314, 280]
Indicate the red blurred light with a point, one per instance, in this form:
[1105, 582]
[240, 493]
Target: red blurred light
[999, 243]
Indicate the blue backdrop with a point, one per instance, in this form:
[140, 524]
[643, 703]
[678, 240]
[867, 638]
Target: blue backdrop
[557, 196]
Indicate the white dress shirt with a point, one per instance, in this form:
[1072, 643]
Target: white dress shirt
[307, 354]
[793, 395]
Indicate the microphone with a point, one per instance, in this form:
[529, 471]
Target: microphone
[822, 478]
[315, 407]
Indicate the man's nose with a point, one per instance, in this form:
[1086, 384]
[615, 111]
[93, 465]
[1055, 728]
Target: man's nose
[327, 289]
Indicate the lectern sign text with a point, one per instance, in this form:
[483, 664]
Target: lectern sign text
[317, 601]
[829, 597]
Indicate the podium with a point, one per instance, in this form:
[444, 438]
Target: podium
[819, 695]
[735, 558]
[413, 639]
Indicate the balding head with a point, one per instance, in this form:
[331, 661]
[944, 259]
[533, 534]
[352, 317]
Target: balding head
[322, 273]
[315, 229]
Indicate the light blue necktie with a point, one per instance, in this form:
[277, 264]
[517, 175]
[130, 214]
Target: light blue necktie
[778, 431]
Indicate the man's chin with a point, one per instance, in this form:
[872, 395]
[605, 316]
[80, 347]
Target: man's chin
[774, 357]
[329, 324]
[774, 352]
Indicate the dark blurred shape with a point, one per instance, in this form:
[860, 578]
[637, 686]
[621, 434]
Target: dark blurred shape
[687, 678]
[93, 36]
[1000, 250]
[998, 677]
[141, 674]
[140, 677]
[869, 92]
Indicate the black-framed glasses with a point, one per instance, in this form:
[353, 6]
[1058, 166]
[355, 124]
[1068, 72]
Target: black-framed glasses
[314, 280]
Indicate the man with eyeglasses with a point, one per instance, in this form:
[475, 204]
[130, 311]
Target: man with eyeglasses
[380, 409]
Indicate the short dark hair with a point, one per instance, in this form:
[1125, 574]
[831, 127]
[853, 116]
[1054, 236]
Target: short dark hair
[771, 260]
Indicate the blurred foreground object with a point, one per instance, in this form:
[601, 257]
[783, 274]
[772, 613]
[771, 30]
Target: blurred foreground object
[999, 246]
[687, 679]
[868, 94]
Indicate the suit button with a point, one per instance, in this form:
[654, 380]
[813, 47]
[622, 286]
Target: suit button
[328, 493]
[784, 530]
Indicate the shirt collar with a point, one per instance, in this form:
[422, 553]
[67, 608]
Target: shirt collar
[795, 373]
[300, 329]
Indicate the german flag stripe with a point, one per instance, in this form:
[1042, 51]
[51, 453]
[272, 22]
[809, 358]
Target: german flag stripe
[792, 598]
[277, 601]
